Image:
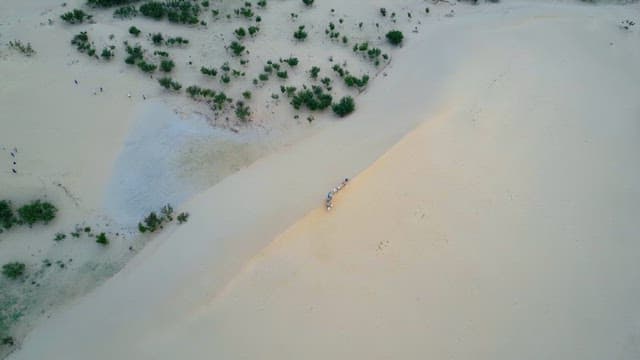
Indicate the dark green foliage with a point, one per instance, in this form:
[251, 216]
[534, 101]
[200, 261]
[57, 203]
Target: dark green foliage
[209, 71]
[154, 222]
[37, 211]
[147, 67]
[26, 50]
[219, 100]
[300, 34]
[236, 48]
[262, 3]
[7, 217]
[107, 53]
[102, 239]
[167, 65]
[282, 74]
[125, 12]
[314, 72]
[13, 270]
[176, 11]
[246, 95]
[176, 41]
[76, 16]
[240, 32]
[134, 31]
[81, 41]
[157, 39]
[395, 37]
[289, 90]
[253, 30]
[326, 82]
[110, 3]
[242, 111]
[196, 91]
[182, 217]
[263, 77]
[161, 53]
[314, 99]
[307, 2]
[352, 81]
[292, 61]
[339, 70]
[59, 237]
[8, 340]
[135, 54]
[225, 79]
[344, 107]
[170, 84]
[205, 3]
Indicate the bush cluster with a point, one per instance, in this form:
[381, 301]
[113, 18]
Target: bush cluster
[314, 99]
[176, 11]
[110, 3]
[76, 16]
[344, 107]
[13, 270]
[81, 41]
[26, 50]
[242, 111]
[37, 211]
[170, 84]
[125, 12]
[134, 31]
[236, 48]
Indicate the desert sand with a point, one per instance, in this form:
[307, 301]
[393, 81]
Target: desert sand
[491, 214]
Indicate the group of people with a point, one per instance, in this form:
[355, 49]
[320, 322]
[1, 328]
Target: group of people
[329, 201]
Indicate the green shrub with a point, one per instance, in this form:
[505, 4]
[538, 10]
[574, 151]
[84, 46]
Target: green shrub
[282, 74]
[246, 95]
[176, 11]
[242, 111]
[7, 217]
[262, 3]
[314, 72]
[102, 239]
[135, 54]
[134, 31]
[225, 79]
[253, 30]
[107, 53]
[13, 270]
[153, 9]
[37, 211]
[26, 50]
[167, 65]
[308, 2]
[395, 37]
[169, 84]
[81, 41]
[300, 34]
[147, 67]
[209, 71]
[219, 100]
[110, 3]
[352, 81]
[314, 99]
[236, 48]
[240, 32]
[177, 41]
[8, 340]
[125, 12]
[344, 107]
[292, 61]
[157, 39]
[161, 53]
[151, 223]
[263, 77]
[59, 237]
[76, 16]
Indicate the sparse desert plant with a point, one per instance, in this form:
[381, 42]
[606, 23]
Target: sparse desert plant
[344, 107]
[26, 50]
[253, 30]
[157, 39]
[307, 2]
[107, 53]
[262, 3]
[225, 79]
[246, 95]
[326, 81]
[125, 12]
[102, 239]
[134, 31]
[236, 48]
[176, 41]
[13, 270]
[135, 54]
[300, 34]
[209, 71]
[151, 223]
[167, 212]
[313, 73]
[59, 237]
[352, 81]
[169, 84]
[205, 3]
[161, 53]
[282, 74]
[383, 12]
[147, 67]
[7, 217]
[37, 211]
[219, 100]
[81, 41]
[292, 61]
[76, 16]
[263, 77]
[395, 37]
[167, 65]
[242, 111]
[240, 32]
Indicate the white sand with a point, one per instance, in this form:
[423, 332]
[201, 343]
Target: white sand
[502, 227]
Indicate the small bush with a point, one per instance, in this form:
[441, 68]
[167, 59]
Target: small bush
[395, 37]
[151, 223]
[307, 2]
[242, 111]
[282, 74]
[157, 39]
[236, 48]
[147, 67]
[176, 41]
[314, 99]
[167, 65]
[7, 217]
[352, 81]
[26, 50]
[300, 34]
[76, 16]
[247, 95]
[59, 237]
[209, 71]
[240, 32]
[37, 211]
[314, 72]
[107, 53]
[253, 30]
[102, 239]
[344, 107]
[125, 12]
[135, 54]
[170, 84]
[13, 270]
[292, 61]
[134, 31]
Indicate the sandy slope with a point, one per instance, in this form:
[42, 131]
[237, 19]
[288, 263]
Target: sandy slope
[503, 227]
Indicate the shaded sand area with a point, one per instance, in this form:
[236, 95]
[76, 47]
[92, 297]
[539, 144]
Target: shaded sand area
[504, 226]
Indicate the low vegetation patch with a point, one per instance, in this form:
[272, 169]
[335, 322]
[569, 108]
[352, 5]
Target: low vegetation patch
[82, 43]
[313, 99]
[176, 11]
[13, 270]
[76, 16]
[395, 37]
[170, 84]
[26, 50]
[344, 107]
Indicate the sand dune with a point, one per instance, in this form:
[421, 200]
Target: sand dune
[502, 226]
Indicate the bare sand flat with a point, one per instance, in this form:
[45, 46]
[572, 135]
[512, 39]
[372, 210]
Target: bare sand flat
[502, 226]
